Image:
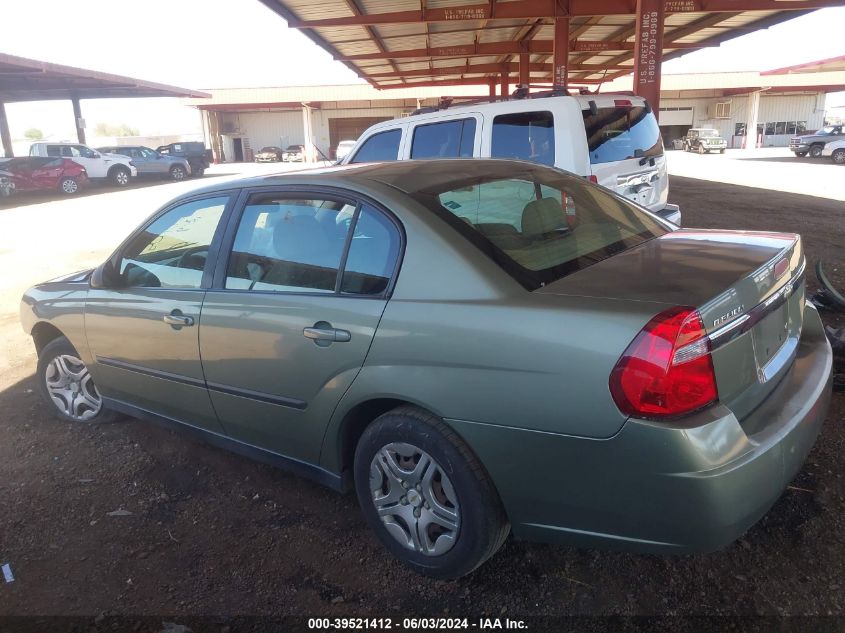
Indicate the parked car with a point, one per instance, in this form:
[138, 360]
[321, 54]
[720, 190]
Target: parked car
[6, 184]
[35, 173]
[269, 154]
[198, 157]
[611, 139]
[473, 346]
[151, 163]
[813, 143]
[294, 153]
[113, 167]
[343, 148]
[704, 141]
[835, 151]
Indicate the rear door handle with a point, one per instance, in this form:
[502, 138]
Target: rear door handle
[327, 335]
[177, 319]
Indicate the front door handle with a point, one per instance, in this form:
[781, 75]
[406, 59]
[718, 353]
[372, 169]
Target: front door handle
[177, 319]
[324, 334]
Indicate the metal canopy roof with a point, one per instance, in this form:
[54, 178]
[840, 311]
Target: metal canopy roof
[402, 43]
[833, 64]
[24, 79]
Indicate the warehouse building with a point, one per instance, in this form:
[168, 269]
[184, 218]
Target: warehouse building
[779, 104]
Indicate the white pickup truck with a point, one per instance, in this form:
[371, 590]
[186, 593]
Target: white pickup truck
[114, 167]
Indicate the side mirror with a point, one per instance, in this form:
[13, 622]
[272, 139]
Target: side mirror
[105, 276]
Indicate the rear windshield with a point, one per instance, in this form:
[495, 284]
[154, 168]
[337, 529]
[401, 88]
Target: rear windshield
[622, 133]
[539, 224]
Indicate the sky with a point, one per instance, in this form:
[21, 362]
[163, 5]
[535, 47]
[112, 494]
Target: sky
[241, 43]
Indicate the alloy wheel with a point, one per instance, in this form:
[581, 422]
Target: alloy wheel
[177, 173]
[69, 185]
[71, 388]
[121, 178]
[415, 499]
[839, 156]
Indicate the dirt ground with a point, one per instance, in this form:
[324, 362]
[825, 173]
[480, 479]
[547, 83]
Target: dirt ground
[214, 533]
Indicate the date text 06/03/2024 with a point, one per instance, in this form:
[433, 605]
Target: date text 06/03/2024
[415, 624]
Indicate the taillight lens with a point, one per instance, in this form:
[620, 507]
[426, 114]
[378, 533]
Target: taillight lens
[667, 370]
[593, 179]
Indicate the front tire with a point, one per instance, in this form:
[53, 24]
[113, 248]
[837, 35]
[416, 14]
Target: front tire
[69, 186]
[701, 149]
[816, 151]
[66, 385]
[426, 495]
[838, 156]
[120, 176]
[800, 154]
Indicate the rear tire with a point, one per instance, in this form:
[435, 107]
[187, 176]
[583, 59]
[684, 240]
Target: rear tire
[816, 151]
[66, 386]
[199, 172]
[838, 156]
[120, 176]
[177, 173]
[68, 186]
[426, 496]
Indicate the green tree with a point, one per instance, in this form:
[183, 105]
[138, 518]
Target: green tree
[33, 134]
[107, 129]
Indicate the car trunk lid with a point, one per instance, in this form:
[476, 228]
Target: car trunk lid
[747, 286]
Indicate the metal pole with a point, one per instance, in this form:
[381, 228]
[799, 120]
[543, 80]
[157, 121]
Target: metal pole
[524, 71]
[560, 65]
[5, 135]
[648, 51]
[78, 121]
[504, 84]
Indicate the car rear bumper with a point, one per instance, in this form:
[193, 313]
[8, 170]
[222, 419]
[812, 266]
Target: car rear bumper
[654, 487]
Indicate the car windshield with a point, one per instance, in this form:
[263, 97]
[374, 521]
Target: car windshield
[826, 131]
[621, 133]
[708, 133]
[538, 224]
[270, 149]
[294, 148]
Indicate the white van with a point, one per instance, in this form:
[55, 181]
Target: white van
[611, 139]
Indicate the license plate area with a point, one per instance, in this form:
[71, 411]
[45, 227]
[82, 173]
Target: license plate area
[769, 336]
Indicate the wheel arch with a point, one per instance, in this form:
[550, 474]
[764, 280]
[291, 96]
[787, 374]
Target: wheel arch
[43, 333]
[118, 167]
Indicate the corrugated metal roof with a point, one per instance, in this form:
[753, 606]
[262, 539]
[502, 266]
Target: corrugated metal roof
[463, 23]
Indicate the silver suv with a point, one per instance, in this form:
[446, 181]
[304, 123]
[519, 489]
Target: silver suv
[151, 163]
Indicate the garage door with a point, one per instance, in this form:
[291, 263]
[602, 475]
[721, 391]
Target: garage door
[676, 116]
[349, 129]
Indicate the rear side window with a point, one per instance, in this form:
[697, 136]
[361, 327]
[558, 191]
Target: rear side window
[379, 147]
[54, 150]
[622, 133]
[449, 139]
[524, 136]
[373, 251]
[538, 224]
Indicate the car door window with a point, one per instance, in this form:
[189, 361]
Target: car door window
[379, 147]
[146, 153]
[524, 136]
[172, 251]
[449, 139]
[286, 244]
[373, 251]
[54, 150]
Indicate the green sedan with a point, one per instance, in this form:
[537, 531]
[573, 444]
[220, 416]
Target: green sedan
[475, 347]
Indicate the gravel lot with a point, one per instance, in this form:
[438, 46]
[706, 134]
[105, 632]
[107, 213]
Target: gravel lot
[213, 533]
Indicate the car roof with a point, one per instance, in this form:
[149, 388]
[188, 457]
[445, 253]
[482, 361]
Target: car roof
[405, 175]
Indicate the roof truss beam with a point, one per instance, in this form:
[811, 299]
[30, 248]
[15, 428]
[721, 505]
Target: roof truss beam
[481, 49]
[531, 9]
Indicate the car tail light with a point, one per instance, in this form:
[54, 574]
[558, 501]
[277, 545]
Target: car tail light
[667, 370]
[623, 103]
[593, 179]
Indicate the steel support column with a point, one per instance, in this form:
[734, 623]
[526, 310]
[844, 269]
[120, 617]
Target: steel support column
[524, 70]
[751, 123]
[492, 86]
[5, 135]
[78, 121]
[560, 55]
[504, 84]
[648, 51]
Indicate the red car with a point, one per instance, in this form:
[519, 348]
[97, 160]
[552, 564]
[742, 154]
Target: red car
[34, 173]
